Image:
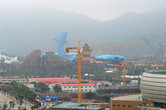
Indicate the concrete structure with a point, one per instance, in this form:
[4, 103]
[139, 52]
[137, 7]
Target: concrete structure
[86, 54]
[85, 87]
[129, 102]
[100, 83]
[153, 87]
[153, 91]
[75, 106]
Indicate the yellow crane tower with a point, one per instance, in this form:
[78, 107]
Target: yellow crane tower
[79, 71]
[79, 49]
[124, 68]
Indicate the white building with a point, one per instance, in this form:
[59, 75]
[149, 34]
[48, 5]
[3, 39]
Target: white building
[85, 87]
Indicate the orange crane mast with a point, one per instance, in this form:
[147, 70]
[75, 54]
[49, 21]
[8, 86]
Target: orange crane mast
[79, 71]
[79, 49]
[124, 68]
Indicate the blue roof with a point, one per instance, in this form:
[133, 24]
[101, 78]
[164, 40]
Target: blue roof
[107, 57]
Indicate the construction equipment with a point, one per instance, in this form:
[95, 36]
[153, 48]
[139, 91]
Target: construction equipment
[124, 68]
[79, 49]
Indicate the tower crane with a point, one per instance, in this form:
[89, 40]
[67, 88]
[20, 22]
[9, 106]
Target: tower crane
[124, 65]
[79, 49]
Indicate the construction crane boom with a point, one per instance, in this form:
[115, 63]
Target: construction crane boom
[79, 61]
[115, 47]
[112, 47]
[124, 68]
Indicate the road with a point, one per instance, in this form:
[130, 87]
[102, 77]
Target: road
[6, 99]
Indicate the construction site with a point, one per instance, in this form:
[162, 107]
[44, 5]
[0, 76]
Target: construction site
[120, 75]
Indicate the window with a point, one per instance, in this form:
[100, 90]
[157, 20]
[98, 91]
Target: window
[113, 105]
[129, 105]
[118, 105]
[124, 105]
[85, 86]
[65, 87]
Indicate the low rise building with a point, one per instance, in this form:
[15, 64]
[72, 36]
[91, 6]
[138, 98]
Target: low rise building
[129, 102]
[85, 87]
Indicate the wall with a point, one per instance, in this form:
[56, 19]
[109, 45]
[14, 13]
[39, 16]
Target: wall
[75, 88]
[129, 105]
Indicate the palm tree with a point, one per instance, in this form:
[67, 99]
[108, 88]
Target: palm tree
[5, 106]
[11, 104]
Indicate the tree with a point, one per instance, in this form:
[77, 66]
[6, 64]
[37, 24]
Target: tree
[5, 106]
[57, 88]
[12, 104]
[106, 85]
[21, 99]
[41, 87]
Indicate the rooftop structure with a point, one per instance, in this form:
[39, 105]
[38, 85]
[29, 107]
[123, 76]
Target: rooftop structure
[34, 79]
[129, 102]
[77, 106]
[137, 97]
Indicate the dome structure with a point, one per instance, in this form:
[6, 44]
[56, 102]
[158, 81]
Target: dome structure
[153, 86]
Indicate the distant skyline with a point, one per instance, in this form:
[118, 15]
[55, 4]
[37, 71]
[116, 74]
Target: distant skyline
[102, 10]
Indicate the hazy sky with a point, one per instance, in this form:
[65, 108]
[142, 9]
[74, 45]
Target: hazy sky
[102, 10]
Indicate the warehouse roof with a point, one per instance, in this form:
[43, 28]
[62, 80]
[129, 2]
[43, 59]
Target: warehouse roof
[135, 97]
[79, 106]
[48, 78]
[82, 84]
[97, 81]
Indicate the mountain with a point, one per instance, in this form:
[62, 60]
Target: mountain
[23, 29]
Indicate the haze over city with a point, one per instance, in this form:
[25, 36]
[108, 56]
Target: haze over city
[82, 54]
[102, 10]
[34, 23]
